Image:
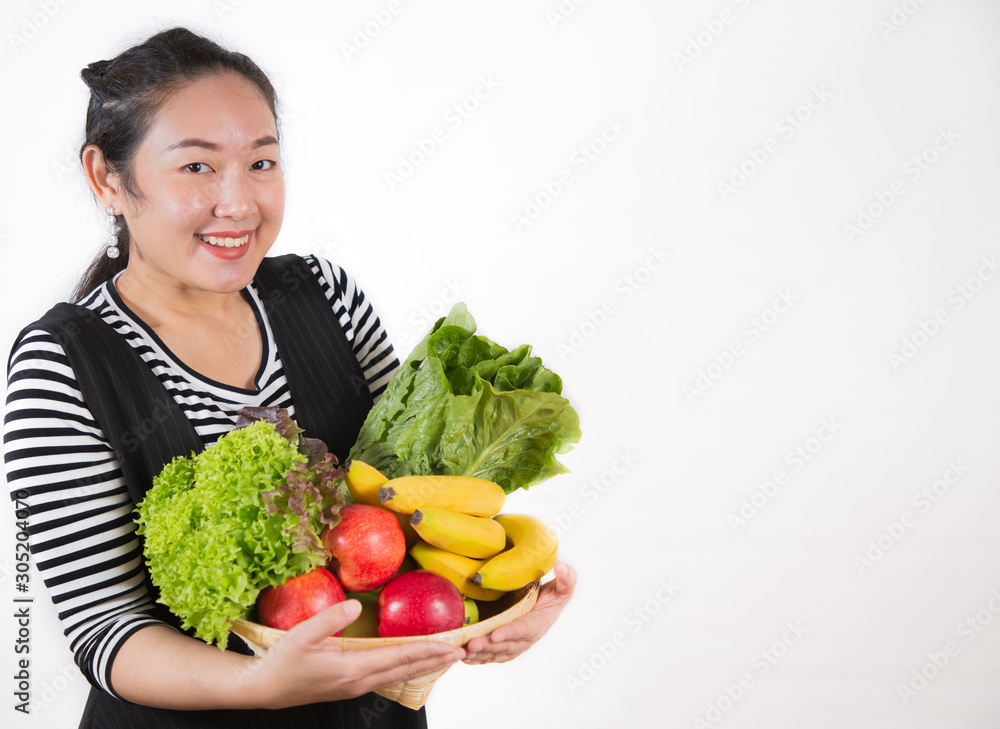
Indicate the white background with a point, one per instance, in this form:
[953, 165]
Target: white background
[699, 88]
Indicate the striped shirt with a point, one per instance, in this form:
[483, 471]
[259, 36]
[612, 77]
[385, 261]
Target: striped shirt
[81, 529]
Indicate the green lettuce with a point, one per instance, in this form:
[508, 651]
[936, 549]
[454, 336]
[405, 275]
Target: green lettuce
[464, 405]
[244, 514]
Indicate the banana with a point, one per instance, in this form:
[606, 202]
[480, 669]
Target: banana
[364, 482]
[532, 553]
[453, 567]
[465, 494]
[470, 536]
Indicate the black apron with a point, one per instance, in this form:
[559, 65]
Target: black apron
[331, 400]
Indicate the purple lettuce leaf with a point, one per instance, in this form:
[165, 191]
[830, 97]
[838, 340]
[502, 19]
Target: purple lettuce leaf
[278, 417]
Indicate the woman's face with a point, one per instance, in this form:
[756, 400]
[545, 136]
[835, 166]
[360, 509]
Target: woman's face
[212, 190]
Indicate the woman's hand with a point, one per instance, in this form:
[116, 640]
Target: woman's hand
[303, 667]
[161, 667]
[511, 640]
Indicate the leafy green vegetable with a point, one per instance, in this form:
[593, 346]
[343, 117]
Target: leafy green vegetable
[243, 514]
[464, 405]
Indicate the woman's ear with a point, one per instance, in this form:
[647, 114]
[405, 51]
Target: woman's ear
[101, 179]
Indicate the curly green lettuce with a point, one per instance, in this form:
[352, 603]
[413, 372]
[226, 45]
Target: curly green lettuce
[244, 514]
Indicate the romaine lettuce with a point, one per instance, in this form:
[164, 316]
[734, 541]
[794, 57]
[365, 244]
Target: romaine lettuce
[463, 405]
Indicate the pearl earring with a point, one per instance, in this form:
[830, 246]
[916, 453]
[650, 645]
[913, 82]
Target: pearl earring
[113, 234]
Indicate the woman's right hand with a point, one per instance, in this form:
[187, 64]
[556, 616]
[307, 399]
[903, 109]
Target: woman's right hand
[303, 667]
[162, 667]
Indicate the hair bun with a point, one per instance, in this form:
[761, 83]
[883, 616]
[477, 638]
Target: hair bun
[95, 75]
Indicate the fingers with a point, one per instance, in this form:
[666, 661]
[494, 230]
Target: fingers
[516, 630]
[512, 639]
[323, 671]
[556, 593]
[559, 590]
[565, 581]
[476, 644]
[497, 647]
[497, 652]
[327, 622]
[395, 664]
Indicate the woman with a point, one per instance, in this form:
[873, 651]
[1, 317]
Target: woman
[177, 325]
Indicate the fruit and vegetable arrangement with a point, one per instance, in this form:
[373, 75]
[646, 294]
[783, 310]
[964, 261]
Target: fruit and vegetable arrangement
[266, 524]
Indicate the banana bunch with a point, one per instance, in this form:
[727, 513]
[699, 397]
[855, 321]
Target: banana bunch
[459, 531]
[532, 553]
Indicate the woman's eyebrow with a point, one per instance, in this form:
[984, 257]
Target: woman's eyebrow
[184, 143]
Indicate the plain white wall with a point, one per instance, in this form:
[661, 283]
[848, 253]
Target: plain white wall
[637, 278]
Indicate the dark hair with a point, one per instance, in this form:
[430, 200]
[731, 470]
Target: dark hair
[125, 95]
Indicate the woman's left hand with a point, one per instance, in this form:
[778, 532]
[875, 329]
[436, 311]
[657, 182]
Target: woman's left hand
[511, 640]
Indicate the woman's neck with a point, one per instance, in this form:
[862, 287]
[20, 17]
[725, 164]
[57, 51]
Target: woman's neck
[158, 302]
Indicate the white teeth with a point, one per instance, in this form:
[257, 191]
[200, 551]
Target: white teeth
[224, 242]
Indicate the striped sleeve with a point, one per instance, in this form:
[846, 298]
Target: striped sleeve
[81, 536]
[360, 323]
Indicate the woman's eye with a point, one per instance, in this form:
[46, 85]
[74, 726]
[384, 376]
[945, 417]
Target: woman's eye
[262, 164]
[197, 167]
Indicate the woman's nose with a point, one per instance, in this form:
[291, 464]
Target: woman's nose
[235, 198]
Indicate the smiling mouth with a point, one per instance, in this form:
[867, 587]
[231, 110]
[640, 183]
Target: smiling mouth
[224, 242]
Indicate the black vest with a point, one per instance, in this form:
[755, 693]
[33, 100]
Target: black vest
[147, 429]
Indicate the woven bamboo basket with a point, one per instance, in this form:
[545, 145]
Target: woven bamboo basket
[413, 693]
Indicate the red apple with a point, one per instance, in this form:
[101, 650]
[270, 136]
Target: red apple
[420, 602]
[367, 547]
[298, 599]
